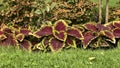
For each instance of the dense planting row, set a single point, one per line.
(60, 35)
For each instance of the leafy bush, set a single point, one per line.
(23, 12)
(115, 12)
(78, 11)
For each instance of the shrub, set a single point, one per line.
(23, 12)
(78, 11)
(115, 12)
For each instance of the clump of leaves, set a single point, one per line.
(74, 10)
(97, 35)
(58, 36)
(115, 13)
(23, 12)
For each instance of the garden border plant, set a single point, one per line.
(61, 36)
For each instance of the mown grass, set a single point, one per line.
(112, 3)
(72, 58)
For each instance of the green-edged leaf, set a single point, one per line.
(25, 44)
(45, 42)
(110, 25)
(2, 36)
(91, 27)
(116, 24)
(116, 33)
(7, 30)
(20, 37)
(110, 35)
(80, 27)
(55, 44)
(60, 35)
(44, 31)
(101, 27)
(16, 32)
(71, 42)
(75, 33)
(25, 31)
(88, 37)
(10, 40)
(104, 43)
(60, 25)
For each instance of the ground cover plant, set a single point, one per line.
(60, 35)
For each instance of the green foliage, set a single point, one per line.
(23, 12)
(115, 12)
(78, 11)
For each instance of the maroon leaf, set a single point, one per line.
(45, 41)
(44, 31)
(25, 44)
(88, 37)
(10, 40)
(116, 33)
(20, 37)
(117, 24)
(71, 42)
(110, 26)
(55, 44)
(60, 35)
(60, 25)
(2, 36)
(101, 27)
(25, 31)
(1, 32)
(110, 35)
(7, 30)
(75, 33)
(90, 26)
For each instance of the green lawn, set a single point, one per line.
(72, 58)
(112, 3)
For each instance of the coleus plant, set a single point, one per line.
(14, 35)
(115, 28)
(97, 35)
(58, 36)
